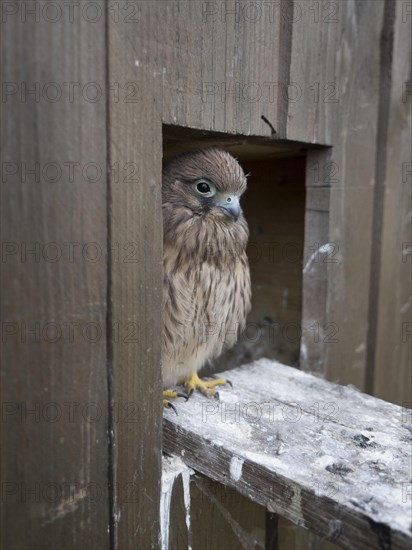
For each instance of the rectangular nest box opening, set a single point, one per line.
(274, 206)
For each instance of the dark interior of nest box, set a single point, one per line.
(274, 206)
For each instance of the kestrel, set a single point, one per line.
(206, 290)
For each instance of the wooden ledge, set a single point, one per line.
(325, 456)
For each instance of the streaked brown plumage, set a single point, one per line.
(206, 294)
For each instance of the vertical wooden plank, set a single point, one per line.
(222, 518)
(292, 536)
(392, 364)
(339, 106)
(134, 69)
(54, 279)
(386, 55)
(354, 136)
(319, 253)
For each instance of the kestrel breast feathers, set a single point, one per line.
(206, 290)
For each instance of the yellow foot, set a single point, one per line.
(171, 394)
(205, 387)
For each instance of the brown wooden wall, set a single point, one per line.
(319, 73)
(233, 63)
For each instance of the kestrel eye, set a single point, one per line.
(203, 188)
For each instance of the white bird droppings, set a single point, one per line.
(236, 465)
(172, 468)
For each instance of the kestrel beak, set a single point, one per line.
(230, 205)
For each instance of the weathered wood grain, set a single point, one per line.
(394, 308)
(385, 58)
(135, 278)
(223, 518)
(53, 282)
(325, 456)
(353, 60)
(209, 79)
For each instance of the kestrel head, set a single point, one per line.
(207, 182)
